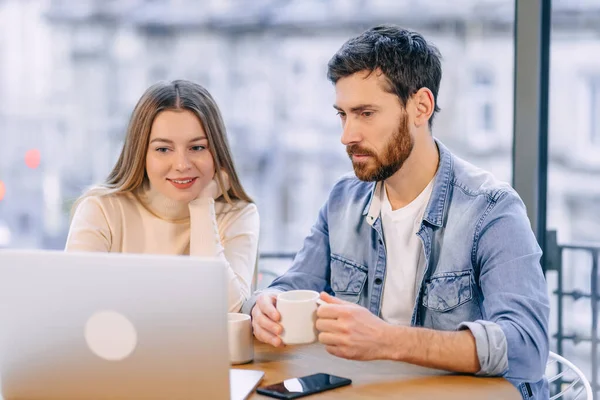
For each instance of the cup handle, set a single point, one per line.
(320, 302)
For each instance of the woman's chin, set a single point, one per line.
(184, 197)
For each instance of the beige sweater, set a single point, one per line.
(149, 223)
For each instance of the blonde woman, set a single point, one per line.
(173, 190)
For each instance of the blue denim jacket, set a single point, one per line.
(482, 268)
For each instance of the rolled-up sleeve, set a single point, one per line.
(512, 340)
(491, 347)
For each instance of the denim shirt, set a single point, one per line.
(482, 266)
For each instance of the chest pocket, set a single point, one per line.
(347, 278)
(448, 290)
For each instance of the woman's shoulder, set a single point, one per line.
(101, 198)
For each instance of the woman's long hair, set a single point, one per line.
(129, 173)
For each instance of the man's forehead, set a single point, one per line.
(364, 77)
(361, 88)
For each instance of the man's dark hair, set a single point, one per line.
(408, 62)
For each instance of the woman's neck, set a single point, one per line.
(162, 206)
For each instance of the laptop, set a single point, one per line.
(118, 326)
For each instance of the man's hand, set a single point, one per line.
(265, 318)
(350, 331)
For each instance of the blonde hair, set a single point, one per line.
(129, 173)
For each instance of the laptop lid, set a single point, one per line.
(107, 325)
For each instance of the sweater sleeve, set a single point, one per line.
(89, 229)
(235, 243)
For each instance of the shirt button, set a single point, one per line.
(378, 281)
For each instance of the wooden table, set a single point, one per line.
(372, 379)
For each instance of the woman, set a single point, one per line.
(174, 190)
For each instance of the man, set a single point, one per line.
(422, 257)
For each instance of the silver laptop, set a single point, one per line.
(118, 326)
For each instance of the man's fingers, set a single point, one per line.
(340, 351)
(333, 350)
(327, 298)
(266, 304)
(331, 311)
(330, 339)
(329, 325)
(268, 325)
(267, 337)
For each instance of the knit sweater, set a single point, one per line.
(148, 222)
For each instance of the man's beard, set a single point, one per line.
(380, 168)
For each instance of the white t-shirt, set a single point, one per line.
(405, 256)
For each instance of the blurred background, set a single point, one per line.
(71, 72)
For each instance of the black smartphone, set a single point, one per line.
(300, 387)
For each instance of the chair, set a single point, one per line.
(569, 379)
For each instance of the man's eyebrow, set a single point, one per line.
(358, 108)
(362, 107)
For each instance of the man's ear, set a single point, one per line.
(424, 106)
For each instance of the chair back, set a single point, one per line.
(566, 381)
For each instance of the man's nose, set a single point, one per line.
(350, 133)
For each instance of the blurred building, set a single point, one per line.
(25, 120)
(265, 63)
(71, 73)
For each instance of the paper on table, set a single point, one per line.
(243, 382)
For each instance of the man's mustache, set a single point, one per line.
(356, 149)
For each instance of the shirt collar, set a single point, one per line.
(438, 204)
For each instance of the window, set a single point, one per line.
(486, 122)
(594, 131)
(484, 99)
(483, 83)
(574, 167)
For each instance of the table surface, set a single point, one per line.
(372, 379)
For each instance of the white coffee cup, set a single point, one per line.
(298, 310)
(241, 342)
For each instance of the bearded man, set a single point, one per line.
(420, 256)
